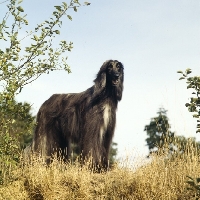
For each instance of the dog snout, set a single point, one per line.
(116, 75)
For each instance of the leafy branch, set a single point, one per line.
(21, 65)
(193, 82)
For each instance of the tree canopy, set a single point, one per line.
(193, 82)
(21, 65)
(162, 140)
(159, 132)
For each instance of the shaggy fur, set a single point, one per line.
(87, 118)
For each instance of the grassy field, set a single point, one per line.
(159, 179)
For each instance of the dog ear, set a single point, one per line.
(119, 90)
(120, 86)
(100, 81)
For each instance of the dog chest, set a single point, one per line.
(106, 119)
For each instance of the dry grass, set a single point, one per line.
(158, 179)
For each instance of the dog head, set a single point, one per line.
(110, 77)
(114, 72)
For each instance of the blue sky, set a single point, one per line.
(152, 38)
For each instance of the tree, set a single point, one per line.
(23, 123)
(158, 131)
(161, 140)
(21, 65)
(20, 132)
(193, 82)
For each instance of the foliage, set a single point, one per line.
(161, 139)
(158, 131)
(22, 123)
(112, 154)
(21, 65)
(193, 106)
(14, 136)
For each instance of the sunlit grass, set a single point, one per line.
(159, 179)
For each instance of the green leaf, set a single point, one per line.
(20, 9)
(55, 13)
(26, 22)
(40, 52)
(188, 69)
(35, 37)
(20, 1)
(65, 5)
(179, 72)
(69, 17)
(75, 9)
(181, 78)
(58, 8)
(15, 59)
(194, 100)
(188, 72)
(57, 32)
(196, 116)
(87, 3)
(12, 38)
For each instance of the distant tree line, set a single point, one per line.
(160, 138)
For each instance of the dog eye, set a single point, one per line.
(110, 66)
(118, 67)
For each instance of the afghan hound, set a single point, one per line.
(87, 118)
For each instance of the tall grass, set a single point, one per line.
(158, 179)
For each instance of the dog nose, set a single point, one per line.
(116, 75)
